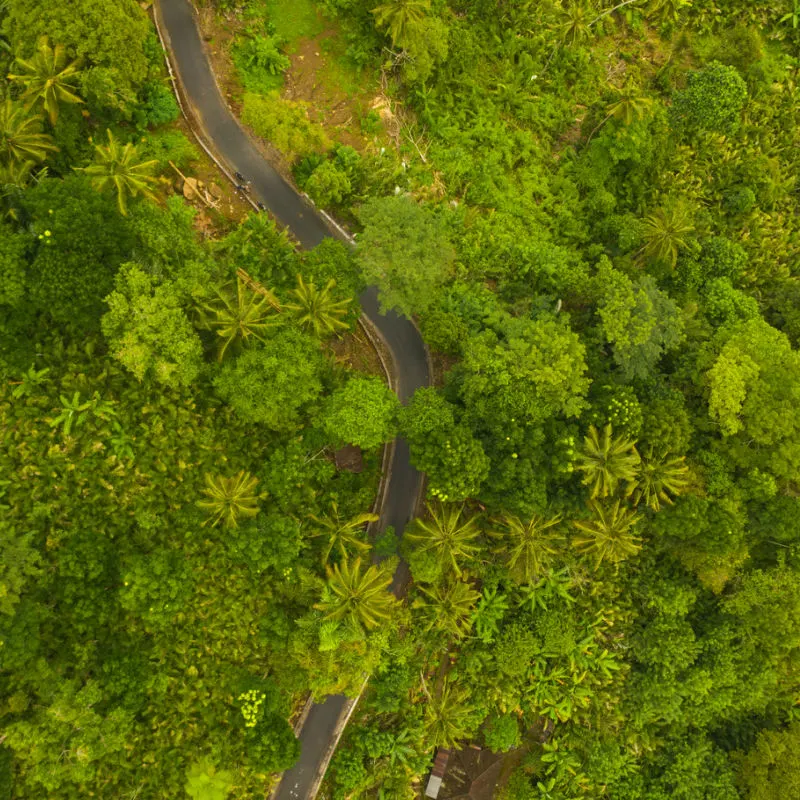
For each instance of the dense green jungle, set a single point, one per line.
(590, 210)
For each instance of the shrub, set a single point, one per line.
(501, 733)
(739, 200)
(158, 105)
(260, 63)
(284, 123)
(722, 258)
(713, 99)
(328, 185)
(166, 146)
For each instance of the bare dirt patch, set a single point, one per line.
(314, 78)
(354, 350)
(219, 206)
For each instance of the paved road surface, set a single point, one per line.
(291, 210)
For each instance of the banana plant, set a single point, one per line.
(230, 499)
(31, 381)
(73, 413)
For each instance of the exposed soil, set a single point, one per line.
(330, 105)
(354, 350)
(313, 77)
(225, 207)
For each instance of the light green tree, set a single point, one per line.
(316, 310)
(238, 313)
(342, 535)
(22, 143)
(445, 534)
(640, 320)
(148, 330)
(448, 715)
(205, 782)
(530, 546)
(402, 18)
(47, 78)
(230, 499)
(447, 608)
(357, 596)
(610, 534)
(117, 166)
(362, 413)
(749, 372)
(658, 479)
(607, 461)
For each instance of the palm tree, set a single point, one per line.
(665, 11)
(575, 23)
(446, 535)
(665, 233)
(629, 106)
(359, 597)
(610, 535)
(72, 413)
(315, 310)
(117, 166)
(606, 461)
(343, 534)
(21, 137)
(15, 174)
(658, 478)
(448, 608)
(230, 498)
(239, 314)
(447, 715)
(48, 78)
(530, 546)
(403, 18)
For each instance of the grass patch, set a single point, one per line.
(293, 19)
(285, 124)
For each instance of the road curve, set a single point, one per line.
(189, 60)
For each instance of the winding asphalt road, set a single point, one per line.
(234, 148)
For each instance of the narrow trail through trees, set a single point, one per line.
(234, 148)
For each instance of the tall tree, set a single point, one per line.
(117, 167)
(357, 596)
(607, 461)
(277, 383)
(22, 143)
(446, 535)
(530, 546)
(405, 250)
(342, 535)
(534, 371)
(610, 534)
(316, 310)
(230, 499)
(361, 413)
(47, 78)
